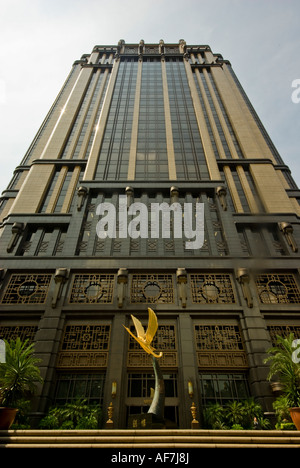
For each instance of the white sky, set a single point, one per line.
(40, 40)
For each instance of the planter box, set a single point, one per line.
(295, 415)
(7, 417)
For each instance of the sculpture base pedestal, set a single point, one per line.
(109, 424)
(195, 424)
(145, 421)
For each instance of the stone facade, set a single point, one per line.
(154, 123)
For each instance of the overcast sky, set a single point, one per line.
(40, 40)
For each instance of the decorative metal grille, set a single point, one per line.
(169, 246)
(27, 289)
(86, 338)
(164, 340)
(84, 346)
(151, 50)
(220, 346)
(152, 245)
(131, 50)
(284, 331)
(215, 289)
(172, 50)
(24, 332)
(152, 289)
(134, 246)
(99, 246)
(218, 338)
(92, 288)
(277, 288)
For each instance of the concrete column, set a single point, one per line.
(256, 341)
(245, 128)
(270, 189)
(71, 190)
(33, 189)
(249, 195)
(264, 150)
(56, 191)
(116, 371)
(47, 343)
(233, 190)
(187, 370)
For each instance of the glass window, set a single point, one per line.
(71, 387)
(139, 385)
(221, 388)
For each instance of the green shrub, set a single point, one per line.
(235, 414)
(286, 426)
(77, 415)
(236, 427)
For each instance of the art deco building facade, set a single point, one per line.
(155, 123)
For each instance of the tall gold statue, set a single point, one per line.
(145, 338)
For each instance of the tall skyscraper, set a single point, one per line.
(151, 183)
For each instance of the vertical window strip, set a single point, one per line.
(89, 114)
(62, 193)
(189, 152)
(240, 190)
(206, 117)
(214, 114)
(89, 146)
(49, 193)
(168, 124)
(114, 153)
(151, 161)
(56, 195)
(254, 191)
(67, 148)
(135, 123)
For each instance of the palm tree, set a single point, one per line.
(214, 415)
(251, 410)
(76, 410)
(283, 365)
(235, 412)
(19, 374)
(281, 407)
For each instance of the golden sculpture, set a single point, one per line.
(145, 338)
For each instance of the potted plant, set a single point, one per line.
(287, 369)
(18, 377)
